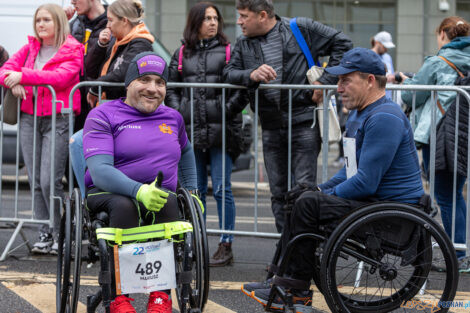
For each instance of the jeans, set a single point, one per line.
(41, 177)
(443, 192)
(305, 148)
(77, 158)
(213, 156)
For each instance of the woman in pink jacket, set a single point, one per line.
(55, 58)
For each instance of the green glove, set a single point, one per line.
(195, 196)
(151, 196)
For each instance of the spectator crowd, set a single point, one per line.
(90, 41)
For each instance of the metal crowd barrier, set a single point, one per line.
(327, 93)
(12, 214)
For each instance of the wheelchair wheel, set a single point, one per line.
(68, 268)
(192, 257)
(397, 245)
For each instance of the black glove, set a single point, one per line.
(299, 189)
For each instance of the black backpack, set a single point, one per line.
(445, 133)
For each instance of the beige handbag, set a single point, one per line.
(10, 108)
(334, 130)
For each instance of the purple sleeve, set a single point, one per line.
(97, 134)
(183, 137)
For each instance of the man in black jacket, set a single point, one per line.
(86, 27)
(269, 53)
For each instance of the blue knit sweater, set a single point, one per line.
(387, 161)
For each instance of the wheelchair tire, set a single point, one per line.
(388, 279)
(205, 254)
(194, 259)
(70, 237)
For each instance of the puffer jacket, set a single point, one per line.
(116, 73)
(436, 71)
(445, 138)
(205, 65)
(248, 56)
(62, 72)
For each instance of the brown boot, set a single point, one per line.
(223, 256)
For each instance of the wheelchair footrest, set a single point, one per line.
(291, 283)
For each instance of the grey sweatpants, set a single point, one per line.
(42, 175)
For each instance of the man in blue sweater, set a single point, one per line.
(381, 163)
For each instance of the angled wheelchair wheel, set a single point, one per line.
(192, 258)
(68, 267)
(380, 257)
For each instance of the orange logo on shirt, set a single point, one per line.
(165, 129)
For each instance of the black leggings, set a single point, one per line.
(125, 212)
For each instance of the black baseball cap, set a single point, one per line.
(359, 60)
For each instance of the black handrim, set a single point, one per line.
(78, 223)
(205, 255)
(64, 260)
(191, 295)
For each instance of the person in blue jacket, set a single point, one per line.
(381, 164)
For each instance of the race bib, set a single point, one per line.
(349, 147)
(144, 267)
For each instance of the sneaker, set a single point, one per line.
(223, 256)
(54, 248)
(300, 299)
(464, 265)
(122, 304)
(250, 287)
(159, 302)
(43, 246)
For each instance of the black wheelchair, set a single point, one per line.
(379, 258)
(190, 251)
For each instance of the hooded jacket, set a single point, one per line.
(115, 58)
(205, 65)
(436, 71)
(62, 72)
(248, 56)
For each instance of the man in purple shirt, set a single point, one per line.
(126, 143)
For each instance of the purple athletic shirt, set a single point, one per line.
(142, 144)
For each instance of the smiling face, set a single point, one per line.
(45, 27)
(146, 93)
(209, 25)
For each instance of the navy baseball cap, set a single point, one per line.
(146, 63)
(360, 60)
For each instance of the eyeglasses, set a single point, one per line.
(211, 18)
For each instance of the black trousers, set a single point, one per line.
(311, 210)
(125, 212)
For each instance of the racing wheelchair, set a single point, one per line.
(187, 235)
(378, 258)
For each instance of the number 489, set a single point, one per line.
(148, 268)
